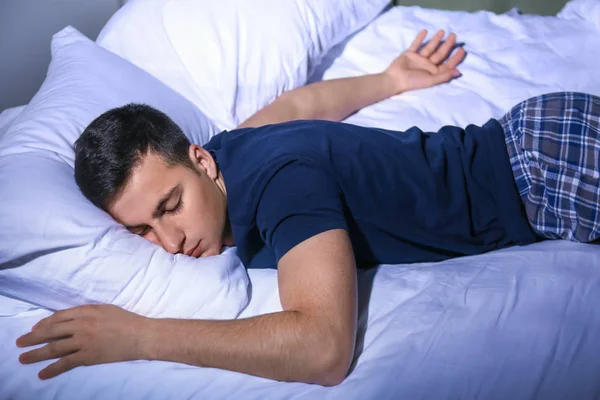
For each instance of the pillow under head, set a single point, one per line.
(56, 249)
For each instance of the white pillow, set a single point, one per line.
(7, 117)
(56, 249)
(587, 10)
(136, 33)
(233, 57)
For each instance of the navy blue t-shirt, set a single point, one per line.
(402, 196)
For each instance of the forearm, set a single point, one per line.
(338, 98)
(332, 100)
(282, 346)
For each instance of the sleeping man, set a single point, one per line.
(291, 188)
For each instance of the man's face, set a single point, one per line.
(179, 208)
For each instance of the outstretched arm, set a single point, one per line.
(312, 340)
(336, 99)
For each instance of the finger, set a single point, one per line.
(69, 314)
(59, 316)
(456, 59)
(444, 50)
(432, 45)
(429, 66)
(418, 40)
(444, 76)
(419, 62)
(63, 365)
(46, 333)
(56, 349)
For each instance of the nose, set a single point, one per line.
(170, 237)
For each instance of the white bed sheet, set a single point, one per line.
(519, 323)
(510, 58)
(7, 116)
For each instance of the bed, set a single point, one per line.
(518, 323)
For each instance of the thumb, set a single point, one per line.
(444, 76)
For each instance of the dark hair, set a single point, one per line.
(113, 145)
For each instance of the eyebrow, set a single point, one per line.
(159, 207)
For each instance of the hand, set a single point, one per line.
(419, 69)
(86, 335)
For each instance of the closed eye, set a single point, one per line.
(141, 231)
(177, 208)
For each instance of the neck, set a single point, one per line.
(228, 239)
(221, 184)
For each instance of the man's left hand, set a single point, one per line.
(421, 67)
(86, 335)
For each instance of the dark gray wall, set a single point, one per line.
(543, 7)
(26, 28)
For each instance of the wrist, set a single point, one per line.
(148, 337)
(393, 82)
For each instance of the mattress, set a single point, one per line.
(518, 323)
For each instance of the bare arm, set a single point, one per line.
(332, 100)
(312, 340)
(336, 99)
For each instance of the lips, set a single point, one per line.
(194, 252)
(197, 251)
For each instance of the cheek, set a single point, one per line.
(212, 212)
(151, 237)
(205, 212)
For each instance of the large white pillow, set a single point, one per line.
(587, 10)
(7, 117)
(136, 33)
(56, 249)
(233, 57)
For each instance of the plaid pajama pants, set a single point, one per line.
(553, 142)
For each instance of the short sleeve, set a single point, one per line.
(298, 202)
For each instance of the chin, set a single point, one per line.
(211, 252)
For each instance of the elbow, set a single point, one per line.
(332, 377)
(332, 364)
(324, 351)
(299, 105)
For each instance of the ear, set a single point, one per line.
(203, 161)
